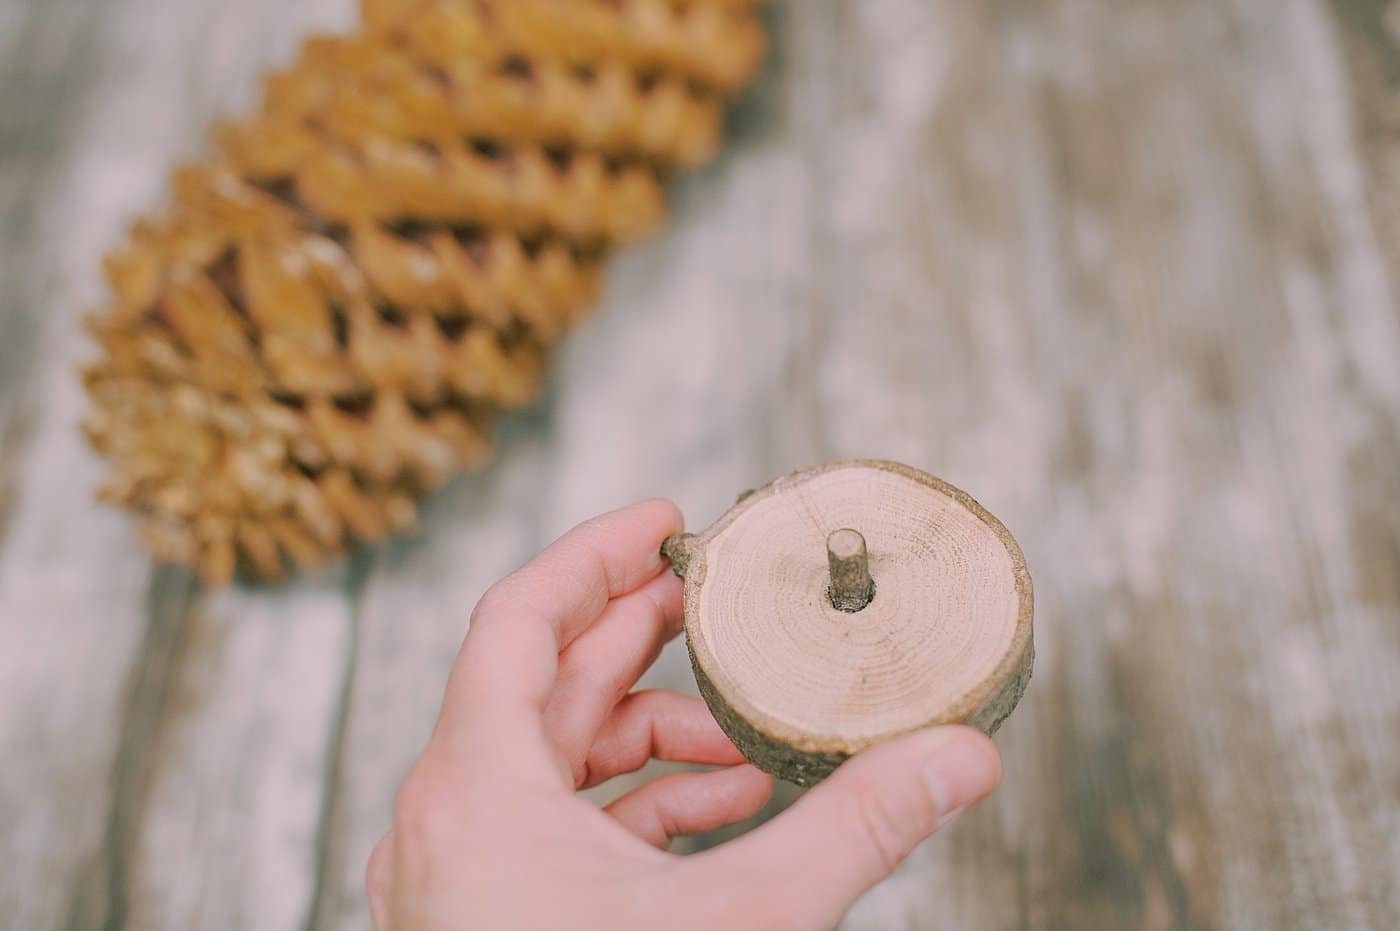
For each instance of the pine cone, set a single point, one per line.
(343, 296)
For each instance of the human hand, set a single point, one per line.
(489, 833)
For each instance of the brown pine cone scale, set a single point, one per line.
(325, 323)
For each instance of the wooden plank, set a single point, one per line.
(39, 90)
(682, 423)
(226, 822)
(120, 689)
(228, 829)
(73, 591)
(601, 442)
(1114, 281)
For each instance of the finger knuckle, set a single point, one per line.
(494, 601)
(642, 702)
(881, 827)
(422, 805)
(377, 870)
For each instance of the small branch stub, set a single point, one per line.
(676, 551)
(851, 585)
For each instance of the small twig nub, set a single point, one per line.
(676, 550)
(852, 588)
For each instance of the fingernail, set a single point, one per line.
(962, 770)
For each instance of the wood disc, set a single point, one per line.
(850, 603)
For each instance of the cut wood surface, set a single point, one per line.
(1125, 272)
(934, 626)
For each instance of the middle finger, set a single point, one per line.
(602, 665)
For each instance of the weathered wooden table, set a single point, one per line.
(1126, 271)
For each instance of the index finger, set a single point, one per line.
(511, 653)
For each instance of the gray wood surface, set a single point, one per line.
(1125, 271)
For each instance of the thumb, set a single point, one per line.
(815, 859)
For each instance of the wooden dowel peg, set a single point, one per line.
(851, 585)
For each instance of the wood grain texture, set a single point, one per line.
(800, 684)
(1125, 272)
